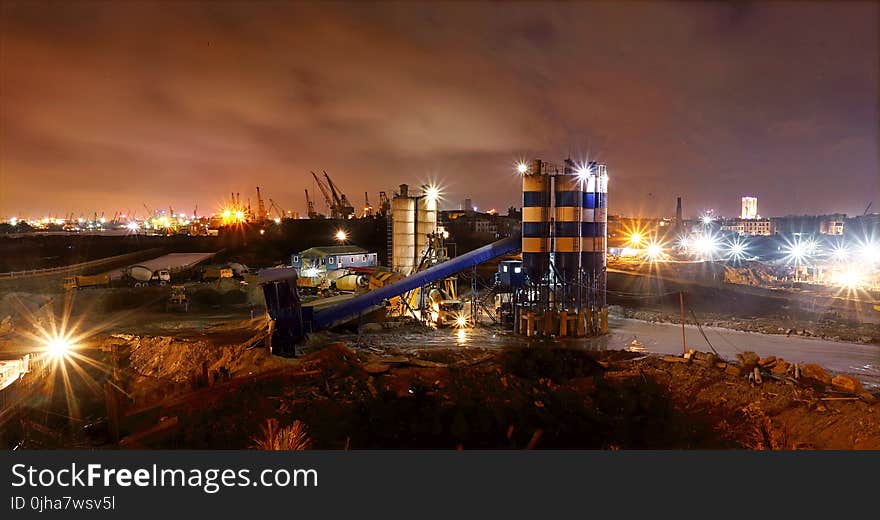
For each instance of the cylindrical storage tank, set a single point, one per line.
(403, 234)
(426, 223)
(568, 192)
(594, 232)
(536, 223)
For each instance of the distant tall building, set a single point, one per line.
(678, 220)
(749, 208)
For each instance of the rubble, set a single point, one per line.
(815, 374)
(848, 384)
(780, 367)
(458, 398)
(748, 360)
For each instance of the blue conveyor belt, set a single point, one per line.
(368, 301)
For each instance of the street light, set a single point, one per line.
(654, 251)
(433, 194)
(522, 168)
(57, 347)
(736, 250)
(341, 235)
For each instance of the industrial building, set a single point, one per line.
(321, 259)
(833, 224)
(749, 226)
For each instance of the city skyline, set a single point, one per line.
(106, 107)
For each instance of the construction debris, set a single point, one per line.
(816, 375)
(848, 384)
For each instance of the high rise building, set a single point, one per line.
(749, 208)
(679, 222)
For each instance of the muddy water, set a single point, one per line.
(627, 334)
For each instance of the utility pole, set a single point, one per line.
(683, 338)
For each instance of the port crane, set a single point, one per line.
(328, 200)
(310, 207)
(342, 207)
(278, 210)
(262, 214)
(368, 209)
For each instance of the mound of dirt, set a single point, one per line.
(558, 365)
(181, 360)
(527, 398)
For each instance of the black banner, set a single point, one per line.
(223, 484)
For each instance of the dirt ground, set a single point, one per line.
(539, 397)
(206, 381)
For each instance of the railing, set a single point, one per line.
(15, 275)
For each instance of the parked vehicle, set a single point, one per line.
(142, 276)
(214, 273)
(81, 281)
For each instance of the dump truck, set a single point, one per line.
(81, 281)
(214, 273)
(142, 276)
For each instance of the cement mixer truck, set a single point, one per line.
(142, 276)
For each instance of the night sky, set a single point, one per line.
(110, 105)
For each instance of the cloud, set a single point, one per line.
(116, 104)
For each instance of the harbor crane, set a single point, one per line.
(326, 192)
(262, 214)
(343, 208)
(310, 205)
(368, 209)
(278, 210)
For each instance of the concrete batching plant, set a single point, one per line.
(414, 218)
(564, 234)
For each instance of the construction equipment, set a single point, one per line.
(81, 282)
(262, 214)
(310, 204)
(328, 200)
(342, 208)
(178, 300)
(364, 303)
(214, 273)
(142, 276)
(352, 282)
(368, 209)
(278, 210)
